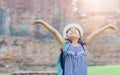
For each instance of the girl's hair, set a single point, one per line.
(80, 41)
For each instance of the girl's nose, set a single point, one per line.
(73, 30)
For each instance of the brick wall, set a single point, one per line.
(28, 53)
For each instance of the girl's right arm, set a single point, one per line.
(51, 29)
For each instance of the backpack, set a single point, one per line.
(61, 60)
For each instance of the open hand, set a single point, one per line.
(113, 27)
(37, 22)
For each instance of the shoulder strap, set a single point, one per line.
(66, 46)
(83, 45)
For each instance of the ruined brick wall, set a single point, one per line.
(38, 49)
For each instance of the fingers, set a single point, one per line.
(34, 22)
(113, 27)
(37, 22)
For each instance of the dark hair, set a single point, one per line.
(80, 41)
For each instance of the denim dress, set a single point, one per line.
(75, 61)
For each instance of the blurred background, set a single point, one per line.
(27, 47)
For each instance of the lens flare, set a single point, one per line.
(88, 6)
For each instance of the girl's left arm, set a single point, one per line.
(93, 35)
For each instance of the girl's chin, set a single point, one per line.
(73, 36)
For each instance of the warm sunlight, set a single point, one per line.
(95, 5)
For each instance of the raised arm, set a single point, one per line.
(51, 29)
(93, 35)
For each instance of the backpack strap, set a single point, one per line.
(83, 45)
(66, 46)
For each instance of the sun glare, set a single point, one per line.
(95, 5)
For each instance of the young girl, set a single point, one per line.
(74, 52)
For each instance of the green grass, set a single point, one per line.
(98, 70)
(4, 74)
(104, 70)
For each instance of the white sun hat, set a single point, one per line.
(67, 27)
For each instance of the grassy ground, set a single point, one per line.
(4, 74)
(104, 70)
(99, 70)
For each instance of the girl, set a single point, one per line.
(74, 52)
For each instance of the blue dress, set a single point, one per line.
(75, 61)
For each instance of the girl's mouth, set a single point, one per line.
(73, 33)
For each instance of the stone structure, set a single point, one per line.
(27, 53)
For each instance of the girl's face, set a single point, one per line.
(73, 33)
